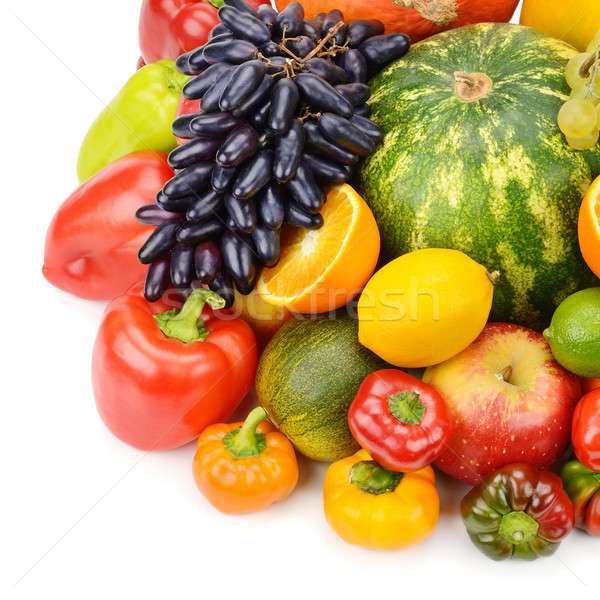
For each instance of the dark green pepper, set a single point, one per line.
(583, 486)
(518, 512)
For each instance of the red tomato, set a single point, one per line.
(585, 431)
(93, 239)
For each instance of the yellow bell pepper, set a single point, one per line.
(370, 506)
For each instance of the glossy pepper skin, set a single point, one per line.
(93, 239)
(161, 376)
(585, 431)
(169, 28)
(583, 487)
(245, 467)
(401, 421)
(369, 506)
(139, 117)
(518, 512)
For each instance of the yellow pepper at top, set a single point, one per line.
(373, 507)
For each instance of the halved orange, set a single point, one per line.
(589, 227)
(323, 269)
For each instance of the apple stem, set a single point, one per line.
(506, 373)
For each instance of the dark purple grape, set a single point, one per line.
(186, 63)
(260, 116)
(213, 125)
(182, 265)
(157, 279)
(242, 213)
(245, 25)
(318, 21)
(153, 214)
(258, 97)
(331, 19)
(271, 207)
(238, 257)
(267, 15)
(222, 177)
(327, 70)
(173, 205)
(218, 29)
(363, 110)
(240, 5)
(230, 51)
(321, 95)
(266, 244)
(355, 66)
(207, 261)
(326, 171)
(291, 19)
(212, 97)
(181, 126)
(320, 144)
(343, 133)
(223, 286)
(163, 238)
(355, 93)
(310, 29)
(244, 81)
(194, 151)
(278, 62)
(301, 46)
(284, 102)
(359, 31)
(241, 144)
(193, 233)
(304, 189)
(197, 87)
(295, 215)
(189, 180)
(368, 127)
(205, 206)
(382, 49)
(270, 49)
(254, 175)
(288, 152)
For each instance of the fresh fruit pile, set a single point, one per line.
(265, 268)
(283, 117)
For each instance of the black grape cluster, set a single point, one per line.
(283, 117)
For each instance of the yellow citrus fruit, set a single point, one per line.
(424, 307)
(589, 227)
(323, 269)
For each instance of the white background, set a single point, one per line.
(85, 516)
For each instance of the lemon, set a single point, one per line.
(574, 333)
(424, 307)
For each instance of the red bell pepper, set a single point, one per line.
(585, 431)
(161, 376)
(169, 28)
(93, 239)
(402, 422)
(583, 487)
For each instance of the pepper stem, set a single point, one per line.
(245, 441)
(186, 325)
(372, 478)
(518, 527)
(407, 407)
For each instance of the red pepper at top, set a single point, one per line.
(401, 421)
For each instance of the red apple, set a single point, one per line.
(510, 402)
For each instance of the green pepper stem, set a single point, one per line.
(518, 527)
(372, 478)
(186, 325)
(407, 407)
(245, 441)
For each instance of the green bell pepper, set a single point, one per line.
(518, 512)
(138, 118)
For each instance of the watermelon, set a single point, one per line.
(307, 378)
(473, 160)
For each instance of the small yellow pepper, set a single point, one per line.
(373, 507)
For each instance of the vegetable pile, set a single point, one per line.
(275, 156)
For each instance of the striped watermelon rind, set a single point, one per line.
(493, 177)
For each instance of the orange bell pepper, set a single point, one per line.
(245, 467)
(370, 506)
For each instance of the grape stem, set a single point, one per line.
(584, 70)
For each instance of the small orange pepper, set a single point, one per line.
(245, 467)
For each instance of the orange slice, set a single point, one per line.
(321, 270)
(589, 227)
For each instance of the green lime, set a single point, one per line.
(574, 333)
